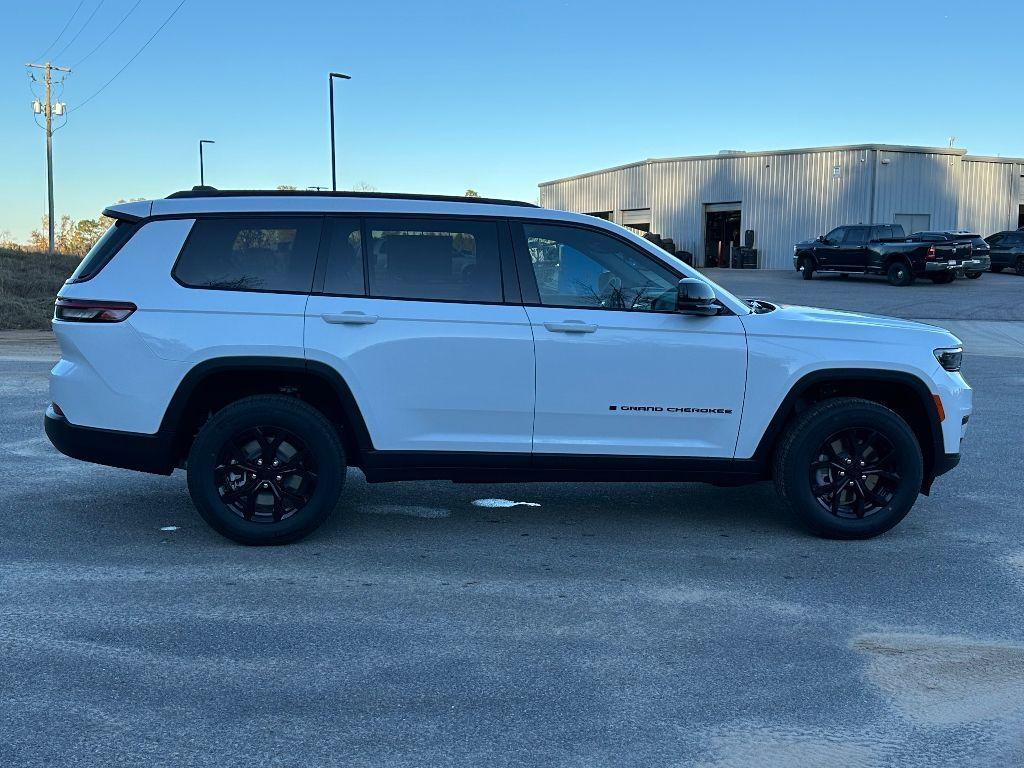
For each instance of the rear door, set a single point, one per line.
(411, 311)
(618, 371)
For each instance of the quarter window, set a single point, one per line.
(250, 254)
(583, 268)
(440, 259)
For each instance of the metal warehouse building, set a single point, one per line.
(710, 205)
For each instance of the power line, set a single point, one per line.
(80, 29)
(109, 34)
(62, 31)
(122, 69)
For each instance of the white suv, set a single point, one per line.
(266, 341)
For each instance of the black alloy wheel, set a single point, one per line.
(807, 267)
(266, 469)
(900, 274)
(265, 474)
(855, 474)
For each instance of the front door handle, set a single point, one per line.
(350, 318)
(570, 326)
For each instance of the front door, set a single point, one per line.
(411, 315)
(853, 252)
(618, 371)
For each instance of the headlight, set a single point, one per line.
(950, 357)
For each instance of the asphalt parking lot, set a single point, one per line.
(600, 625)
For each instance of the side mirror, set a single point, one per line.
(695, 297)
(821, 239)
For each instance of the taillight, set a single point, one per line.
(931, 251)
(89, 311)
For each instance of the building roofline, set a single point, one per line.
(799, 151)
(994, 159)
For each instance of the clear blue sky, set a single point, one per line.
(496, 96)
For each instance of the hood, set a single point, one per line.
(831, 324)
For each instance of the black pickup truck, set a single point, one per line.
(884, 249)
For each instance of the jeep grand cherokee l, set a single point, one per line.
(265, 342)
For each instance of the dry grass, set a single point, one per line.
(29, 282)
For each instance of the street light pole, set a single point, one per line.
(334, 162)
(202, 175)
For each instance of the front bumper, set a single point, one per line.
(127, 450)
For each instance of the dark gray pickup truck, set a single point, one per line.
(884, 249)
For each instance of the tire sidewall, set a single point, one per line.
(899, 273)
(804, 450)
(305, 423)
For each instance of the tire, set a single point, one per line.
(944, 279)
(870, 431)
(807, 267)
(973, 275)
(997, 270)
(1019, 266)
(236, 450)
(900, 274)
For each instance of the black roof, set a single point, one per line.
(212, 192)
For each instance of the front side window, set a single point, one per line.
(439, 259)
(583, 268)
(250, 254)
(835, 237)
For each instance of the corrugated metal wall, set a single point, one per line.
(918, 182)
(787, 197)
(987, 199)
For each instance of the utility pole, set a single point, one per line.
(49, 109)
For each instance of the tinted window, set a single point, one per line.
(856, 236)
(835, 237)
(344, 258)
(250, 254)
(1014, 238)
(443, 259)
(583, 268)
(996, 239)
(103, 250)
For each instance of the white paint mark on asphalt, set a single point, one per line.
(429, 513)
(946, 681)
(1015, 564)
(503, 503)
(169, 528)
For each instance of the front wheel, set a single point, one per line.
(849, 468)
(807, 267)
(266, 470)
(899, 273)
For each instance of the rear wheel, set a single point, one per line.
(849, 468)
(266, 470)
(1019, 267)
(899, 273)
(807, 267)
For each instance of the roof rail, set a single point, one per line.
(213, 192)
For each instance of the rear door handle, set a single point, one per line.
(350, 318)
(570, 326)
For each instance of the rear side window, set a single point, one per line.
(440, 259)
(250, 254)
(104, 250)
(344, 274)
(856, 236)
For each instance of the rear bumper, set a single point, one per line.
(127, 450)
(978, 264)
